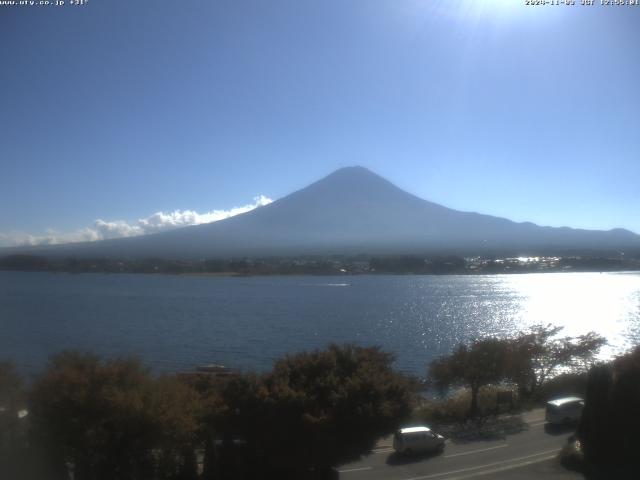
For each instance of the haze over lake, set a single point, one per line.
(178, 322)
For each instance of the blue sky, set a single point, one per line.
(120, 109)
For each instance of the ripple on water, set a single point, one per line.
(173, 322)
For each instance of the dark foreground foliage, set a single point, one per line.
(12, 436)
(113, 419)
(330, 407)
(608, 429)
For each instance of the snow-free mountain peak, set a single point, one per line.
(354, 210)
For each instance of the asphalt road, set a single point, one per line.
(530, 452)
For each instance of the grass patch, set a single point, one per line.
(450, 416)
(455, 407)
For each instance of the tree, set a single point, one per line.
(539, 354)
(230, 409)
(474, 366)
(318, 409)
(12, 444)
(611, 418)
(112, 419)
(241, 426)
(175, 411)
(10, 388)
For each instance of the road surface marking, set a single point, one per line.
(537, 424)
(534, 419)
(354, 469)
(463, 470)
(475, 451)
(504, 469)
(383, 450)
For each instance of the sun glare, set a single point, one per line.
(492, 7)
(482, 10)
(581, 303)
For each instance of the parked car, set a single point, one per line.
(564, 410)
(417, 440)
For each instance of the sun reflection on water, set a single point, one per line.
(608, 304)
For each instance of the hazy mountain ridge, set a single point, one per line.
(352, 211)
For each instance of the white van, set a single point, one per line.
(564, 410)
(417, 439)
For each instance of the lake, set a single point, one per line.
(178, 322)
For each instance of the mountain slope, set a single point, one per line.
(355, 211)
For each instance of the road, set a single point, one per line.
(529, 453)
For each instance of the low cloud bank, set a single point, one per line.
(102, 229)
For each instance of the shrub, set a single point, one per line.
(455, 407)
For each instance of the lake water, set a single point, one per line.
(178, 322)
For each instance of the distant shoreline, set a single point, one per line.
(319, 275)
(328, 265)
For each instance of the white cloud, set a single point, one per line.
(51, 237)
(102, 229)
